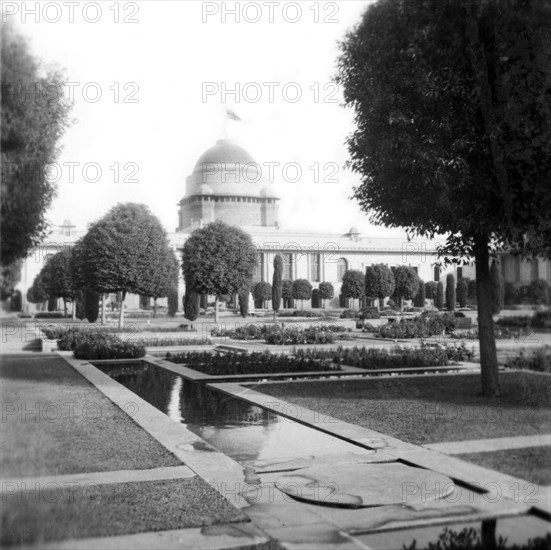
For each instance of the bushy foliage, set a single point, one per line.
(406, 282)
(191, 305)
(49, 315)
(326, 291)
(450, 292)
(430, 290)
(173, 301)
(302, 313)
(538, 360)
(262, 291)
(369, 313)
(350, 314)
(98, 345)
(425, 325)
(91, 305)
(353, 284)
(243, 299)
(419, 300)
(439, 300)
(302, 290)
(462, 289)
(378, 281)
(538, 292)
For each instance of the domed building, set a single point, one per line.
(227, 185)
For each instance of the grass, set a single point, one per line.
(429, 409)
(55, 422)
(531, 464)
(106, 510)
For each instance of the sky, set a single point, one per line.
(150, 82)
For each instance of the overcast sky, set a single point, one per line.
(162, 71)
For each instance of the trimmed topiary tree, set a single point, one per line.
(461, 290)
(419, 300)
(406, 283)
(302, 290)
(262, 291)
(326, 292)
(353, 285)
(243, 299)
(439, 299)
(191, 305)
(173, 300)
(91, 305)
(287, 293)
(450, 292)
(379, 282)
(430, 290)
(276, 284)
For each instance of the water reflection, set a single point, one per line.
(241, 430)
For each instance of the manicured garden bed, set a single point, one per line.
(428, 409)
(531, 464)
(56, 422)
(107, 510)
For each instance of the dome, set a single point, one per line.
(224, 151)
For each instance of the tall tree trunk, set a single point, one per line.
(103, 309)
(154, 308)
(216, 309)
(121, 312)
(488, 355)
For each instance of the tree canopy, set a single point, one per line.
(302, 290)
(378, 281)
(219, 259)
(353, 284)
(453, 127)
(406, 283)
(34, 116)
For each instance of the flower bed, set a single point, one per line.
(539, 360)
(106, 346)
(253, 363)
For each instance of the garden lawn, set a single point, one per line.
(531, 464)
(108, 510)
(429, 409)
(55, 422)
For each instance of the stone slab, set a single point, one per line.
(487, 445)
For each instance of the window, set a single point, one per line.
(315, 268)
(287, 266)
(342, 266)
(436, 273)
(259, 270)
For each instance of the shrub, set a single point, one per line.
(191, 305)
(302, 290)
(172, 301)
(471, 289)
(326, 291)
(461, 290)
(91, 305)
(515, 321)
(406, 283)
(538, 292)
(353, 285)
(262, 291)
(542, 319)
(369, 313)
(287, 293)
(243, 299)
(430, 290)
(425, 325)
(419, 300)
(98, 345)
(49, 315)
(439, 301)
(450, 292)
(379, 281)
(539, 360)
(350, 314)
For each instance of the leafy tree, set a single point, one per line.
(453, 128)
(262, 292)
(10, 275)
(450, 292)
(462, 290)
(91, 305)
(32, 124)
(471, 289)
(538, 292)
(430, 290)
(191, 305)
(302, 290)
(419, 300)
(406, 284)
(37, 293)
(243, 298)
(219, 259)
(439, 300)
(277, 284)
(287, 292)
(326, 291)
(353, 284)
(173, 298)
(379, 282)
(57, 276)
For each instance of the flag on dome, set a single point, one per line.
(231, 115)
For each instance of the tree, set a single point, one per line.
(406, 284)
(353, 285)
(453, 126)
(37, 293)
(439, 300)
(326, 292)
(276, 284)
(119, 253)
(430, 290)
(32, 125)
(173, 298)
(219, 259)
(91, 305)
(287, 292)
(471, 289)
(191, 305)
(262, 292)
(302, 290)
(243, 298)
(379, 282)
(450, 292)
(462, 290)
(57, 276)
(498, 288)
(10, 275)
(419, 300)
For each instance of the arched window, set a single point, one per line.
(342, 266)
